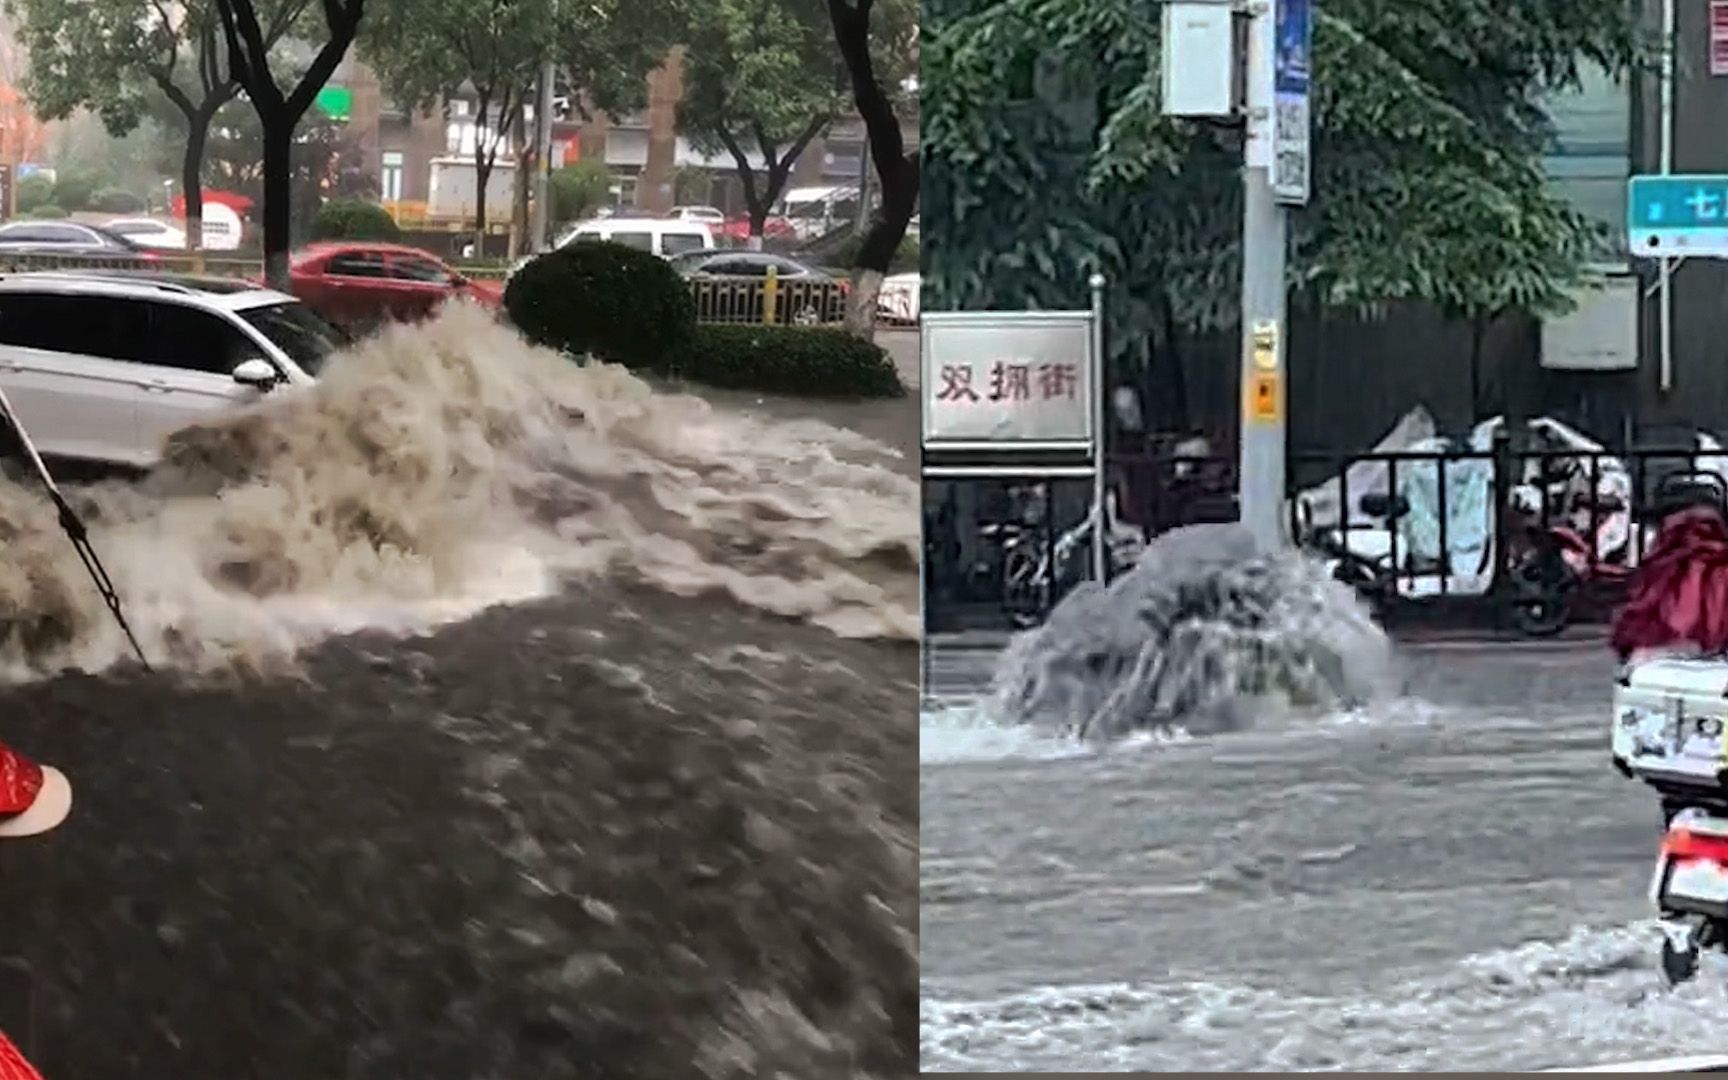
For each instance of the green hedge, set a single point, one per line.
(354, 219)
(605, 300)
(812, 361)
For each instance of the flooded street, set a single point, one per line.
(1452, 879)
(509, 720)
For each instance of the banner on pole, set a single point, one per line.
(1292, 124)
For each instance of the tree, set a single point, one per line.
(883, 68)
(106, 55)
(763, 73)
(324, 162)
(1050, 158)
(429, 51)
(578, 189)
(249, 46)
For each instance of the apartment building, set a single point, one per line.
(423, 161)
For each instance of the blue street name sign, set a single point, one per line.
(1677, 216)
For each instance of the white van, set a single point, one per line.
(814, 211)
(662, 236)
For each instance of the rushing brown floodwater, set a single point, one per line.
(650, 818)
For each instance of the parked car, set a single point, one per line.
(663, 236)
(102, 366)
(710, 216)
(149, 233)
(363, 283)
(745, 264)
(737, 230)
(67, 238)
(805, 295)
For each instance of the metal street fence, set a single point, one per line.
(732, 300)
(1539, 537)
(768, 300)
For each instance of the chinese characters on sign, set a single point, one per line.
(1007, 379)
(1011, 381)
(1677, 215)
(1719, 37)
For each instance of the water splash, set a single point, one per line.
(442, 468)
(1204, 629)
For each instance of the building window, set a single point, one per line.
(458, 107)
(1590, 157)
(390, 180)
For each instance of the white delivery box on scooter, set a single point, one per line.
(1669, 714)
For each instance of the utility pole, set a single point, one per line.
(1262, 78)
(539, 241)
(1275, 173)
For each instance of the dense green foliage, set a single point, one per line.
(762, 78)
(112, 200)
(76, 190)
(354, 219)
(605, 300)
(811, 361)
(579, 189)
(33, 191)
(1049, 158)
(46, 210)
(844, 252)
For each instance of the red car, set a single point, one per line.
(738, 228)
(363, 283)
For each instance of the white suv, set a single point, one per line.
(102, 366)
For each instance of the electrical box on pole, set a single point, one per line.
(1200, 58)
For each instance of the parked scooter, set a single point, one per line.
(1556, 571)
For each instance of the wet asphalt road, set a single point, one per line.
(1452, 880)
(609, 835)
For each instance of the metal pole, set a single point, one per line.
(1665, 312)
(543, 158)
(1100, 396)
(1261, 442)
(864, 174)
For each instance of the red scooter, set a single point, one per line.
(1556, 570)
(34, 799)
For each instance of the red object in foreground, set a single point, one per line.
(12, 1063)
(1680, 592)
(20, 783)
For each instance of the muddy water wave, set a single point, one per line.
(1206, 630)
(442, 468)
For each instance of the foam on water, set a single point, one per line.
(442, 468)
(1206, 631)
(1590, 998)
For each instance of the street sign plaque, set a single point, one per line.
(1677, 216)
(1008, 378)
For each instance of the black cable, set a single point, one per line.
(74, 529)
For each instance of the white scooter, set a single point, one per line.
(1670, 714)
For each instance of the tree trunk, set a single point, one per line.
(524, 166)
(482, 178)
(897, 170)
(277, 212)
(1476, 334)
(881, 242)
(191, 180)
